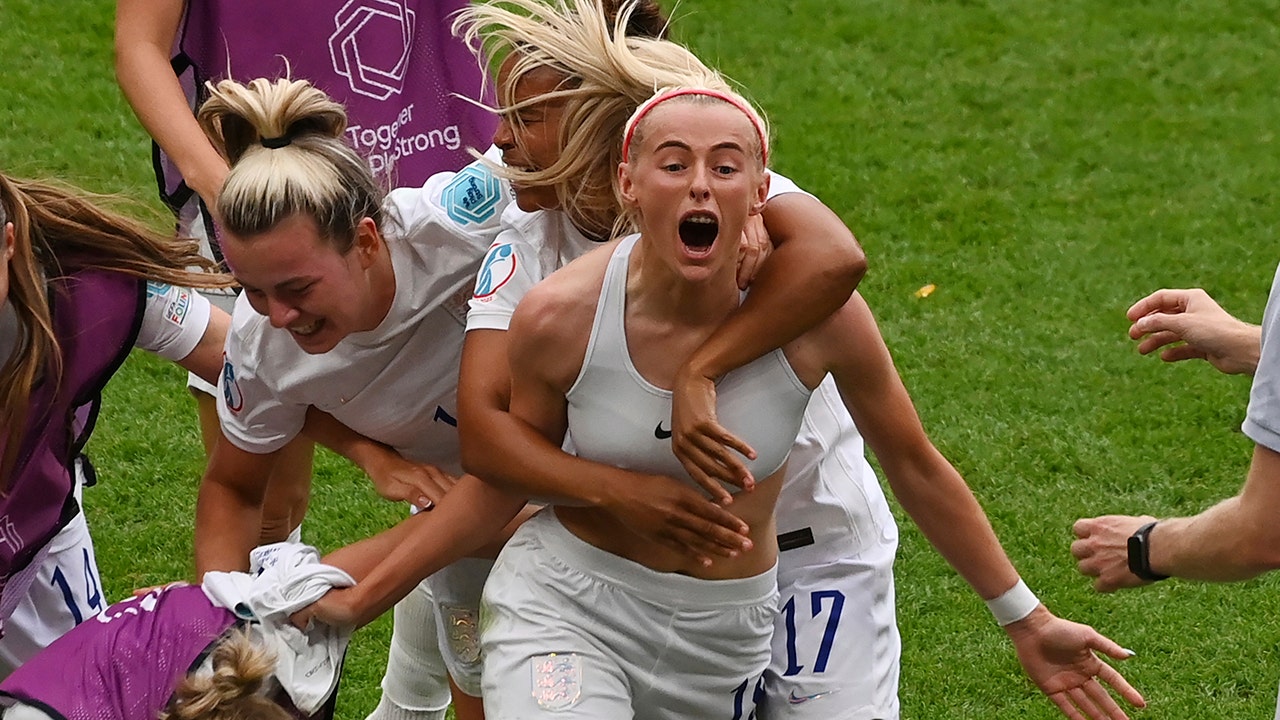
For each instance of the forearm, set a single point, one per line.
(814, 270)
(944, 508)
(517, 458)
(467, 518)
(229, 506)
(1221, 544)
(145, 30)
(227, 525)
(324, 429)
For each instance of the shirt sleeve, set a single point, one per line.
(253, 417)
(1262, 423)
(780, 184)
(510, 269)
(173, 320)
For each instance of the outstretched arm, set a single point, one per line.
(391, 563)
(1058, 655)
(1190, 324)
(813, 271)
(1236, 539)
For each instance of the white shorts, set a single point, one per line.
(65, 592)
(455, 592)
(836, 647)
(571, 631)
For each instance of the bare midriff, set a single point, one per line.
(755, 508)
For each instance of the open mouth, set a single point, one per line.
(698, 232)
(307, 330)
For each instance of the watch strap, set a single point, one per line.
(1140, 554)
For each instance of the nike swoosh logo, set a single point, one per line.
(798, 699)
(661, 434)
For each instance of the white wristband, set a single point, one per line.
(1016, 603)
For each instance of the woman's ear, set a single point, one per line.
(9, 240)
(368, 241)
(626, 188)
(762, 194)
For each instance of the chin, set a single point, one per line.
(535, 199)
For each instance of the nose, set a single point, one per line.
(280, 314)
(700, 185)
(503, 137)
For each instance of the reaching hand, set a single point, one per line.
(399, 479)
(1060, 658)
(754, 248)
(338, 607)
(1193, 325)
(709, 453)
(1102, 550)
(680, 518)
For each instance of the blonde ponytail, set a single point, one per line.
(283, 140)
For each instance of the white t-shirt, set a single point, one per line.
(396, 384)
(1262, 423)
(173, 321)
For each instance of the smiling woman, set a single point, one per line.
(353, 305)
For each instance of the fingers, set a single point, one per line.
(1065, 705)
(1087, 705)
(1155, 338)
(1116, 681)
(1164, 300)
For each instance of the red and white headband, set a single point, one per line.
(665, 95)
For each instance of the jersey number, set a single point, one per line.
(92, 589)
(828, 634)
(740, 699)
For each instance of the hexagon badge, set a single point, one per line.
(371, 46)
(472, 196)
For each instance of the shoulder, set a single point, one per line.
(471, 200)
(559, 311)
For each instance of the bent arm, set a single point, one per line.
(1236, 539)
(229, 507)
(144, 35)
(512, 455)
(816, 267)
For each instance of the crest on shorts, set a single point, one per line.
(557, 680)
(463, 629)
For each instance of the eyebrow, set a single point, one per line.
(299, 280)
(727, 145)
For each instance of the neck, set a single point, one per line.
(657, 288)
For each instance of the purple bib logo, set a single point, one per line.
(371, 46)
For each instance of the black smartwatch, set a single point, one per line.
(1140, 554)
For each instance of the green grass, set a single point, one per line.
(1044, 164)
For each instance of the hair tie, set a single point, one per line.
(276, 142)
(665, 95)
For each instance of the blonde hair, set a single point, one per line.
(58, 230)
(233, 691)
(607, 74)
(283, 140)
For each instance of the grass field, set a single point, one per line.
(1043, 164)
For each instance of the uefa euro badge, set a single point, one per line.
(464, 633)
(557, 680)
(472, 196)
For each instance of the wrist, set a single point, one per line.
(1139, 548)
(1014, 604)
